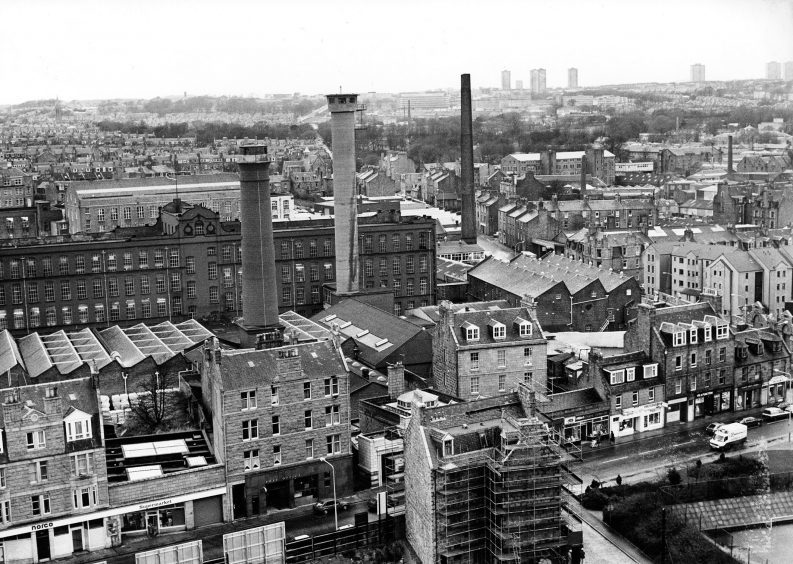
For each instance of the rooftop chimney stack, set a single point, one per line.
(468, 229)
(259, 289)
(345, 205)
(729, 154)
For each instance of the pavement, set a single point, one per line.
(647, 455)
(298, 521)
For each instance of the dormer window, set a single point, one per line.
(616, 376)
(499, 330)
(650, 370)
(721, 332)
(679, 338)
(707, 333)
(692, 336)
(471, 332)
(78, 426)
(523, 326)
(448, 446)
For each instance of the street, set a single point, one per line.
(650, 458)
(492, 247)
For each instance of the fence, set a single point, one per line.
(364, 535)
(721, 488)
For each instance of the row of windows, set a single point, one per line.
(250, 427)
(112, 262)
(528, 378)
(40, 504)
(248, 398)
(634, 398)
(396, 265)
(501, 358)
(69, 315)
(707, 380)
(301, 249)
(252, 461)
(693, 358)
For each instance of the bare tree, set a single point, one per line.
(152, 403)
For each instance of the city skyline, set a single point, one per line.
(95, 50)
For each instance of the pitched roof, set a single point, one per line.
(249, 368)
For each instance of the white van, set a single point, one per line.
(728, 435)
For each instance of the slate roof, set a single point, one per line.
(377, 333)
(249, 368)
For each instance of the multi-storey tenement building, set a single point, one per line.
(52, 467)
(189, 265)
(762, 368)
(483, 483)
(631, 384)
(694, 351)
(481, 350)
(277, 415)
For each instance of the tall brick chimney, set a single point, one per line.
(345, 204)
(729, 154)
(468, 227)
(259, 288)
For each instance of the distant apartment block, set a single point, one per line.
(538, 82)
(572, 77)
(773, 70)
(506, 80)
(698, 73)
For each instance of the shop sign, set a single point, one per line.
(41, 526)
(153, 504)
(704, 394)
(569, 420)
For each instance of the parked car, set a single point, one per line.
(750, 421)
(371, 503)
(774, 413)
(324, 507)
(787, 408)
(711, 429)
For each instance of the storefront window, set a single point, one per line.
(172, 517)
(154, 520)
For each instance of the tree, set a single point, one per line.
(152, 403)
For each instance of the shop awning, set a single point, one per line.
(778, 379)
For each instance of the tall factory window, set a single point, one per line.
(382, 244)
(367, 267)
(423, 241)
(395, 243)
(284, 250)
(174, 258)
(300, 273)
(143, 259)
(298, 249)
(286, 274)
(79, 264)
(422, 286)
(367, 244)
(145, 287)
(396, 267)
(214, 296)
(423, 263)
(286, 295)
(190, 264)
(408, 241)
(326, 248)
(212, 270)
(410, 266)
(63, 266)
(159, 258)
(312, 248)
(314, 273)
(328, 271)
(146, 308)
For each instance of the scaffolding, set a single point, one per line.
(504, 503)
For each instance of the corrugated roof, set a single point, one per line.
(9, 352)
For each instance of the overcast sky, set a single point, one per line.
(82, 49)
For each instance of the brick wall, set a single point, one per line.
(419, 493)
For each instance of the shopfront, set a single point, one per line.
(711, 402)
(776, 390)
(586, 428)
(677, 410)
(747, 397)
(638, 419)
(64, 537)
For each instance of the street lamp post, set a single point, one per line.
(335, 501)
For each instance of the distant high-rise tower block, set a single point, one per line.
(506, 80)
(519, 85)
(698, 73)
(789, 70)
(345, 203)
(538, 81)
(773, 71)
(572, 77)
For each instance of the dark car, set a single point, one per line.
(711, 429)
(750, 421)
(774, 413)
(324, 507)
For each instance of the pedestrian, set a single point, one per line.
(611, 438)
(619, 480)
